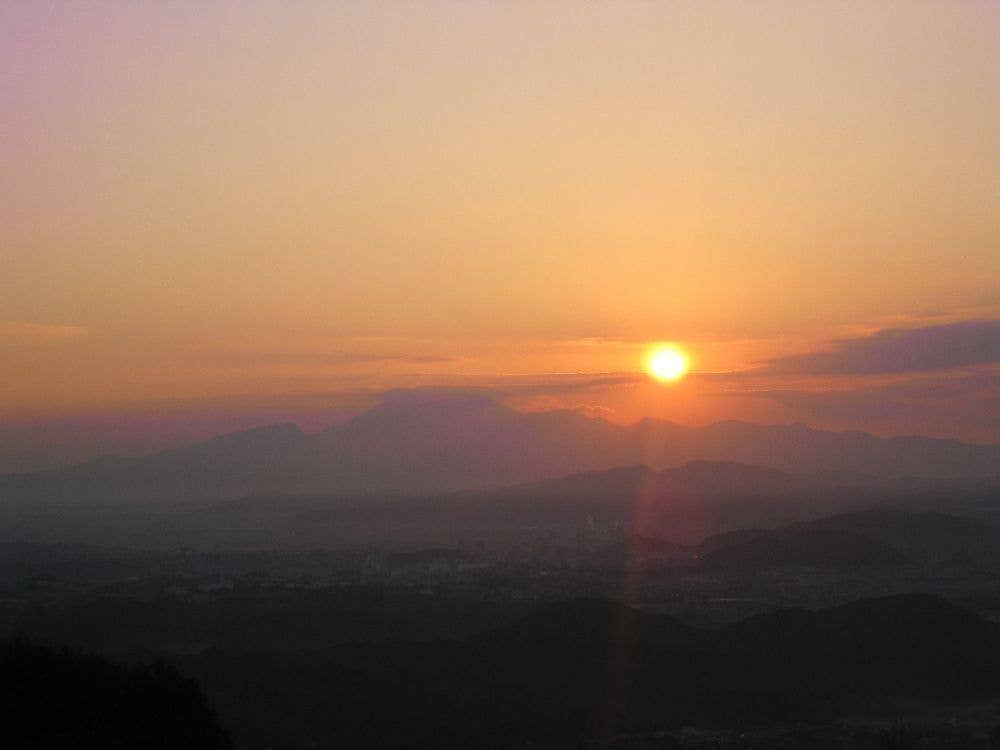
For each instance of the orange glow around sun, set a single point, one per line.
(667, 363)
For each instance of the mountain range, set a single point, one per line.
(419, 442)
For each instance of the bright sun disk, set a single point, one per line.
(667, 363)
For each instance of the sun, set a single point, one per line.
(667, 363)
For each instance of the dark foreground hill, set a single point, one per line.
(64, 700)
(817, 548)
(873, 537)
(592, 668)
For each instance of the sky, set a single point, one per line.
(218, 214)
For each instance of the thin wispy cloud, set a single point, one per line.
(14, 332)
(569, 383)
(266, 357)
(528, 385)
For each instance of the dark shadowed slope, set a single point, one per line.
(874, 537)
(806, 548)
(921, 536)
(56, 700)
(592, 668)
(593, 621)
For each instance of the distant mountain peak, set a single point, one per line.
(705, 467)
(438, 440)
(264, 432)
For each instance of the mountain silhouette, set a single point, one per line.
(436, 442)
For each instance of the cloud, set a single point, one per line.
(568, 383)
(513, 386)
(900, 350)
(16, 332)
(268, 357)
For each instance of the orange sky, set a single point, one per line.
(272, 200)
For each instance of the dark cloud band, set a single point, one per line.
(901, 350)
